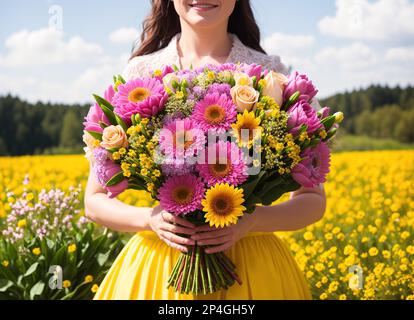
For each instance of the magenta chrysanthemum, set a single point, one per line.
(314, 168)
(223, 164)
(181, 140)
(144, 96)
(215, 112)
(181, 194)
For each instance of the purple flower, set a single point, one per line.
(314, 168)
(301, 83)
(302, 113)
(105, 169)
(220, 88)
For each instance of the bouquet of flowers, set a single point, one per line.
(210, 144)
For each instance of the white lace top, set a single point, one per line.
(141, 65)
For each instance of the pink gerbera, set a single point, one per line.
(144, 96)
(180, 140)
(314, 168)
(224, 163)
(181, 194)
(215, 112)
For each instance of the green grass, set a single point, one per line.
(362, 143)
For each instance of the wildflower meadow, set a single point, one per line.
(363, 248)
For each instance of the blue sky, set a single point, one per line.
(341, 44)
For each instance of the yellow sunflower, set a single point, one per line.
(223, 205)
(246, 125)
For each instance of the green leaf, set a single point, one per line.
(115, 179)
(102, 102)
(5, 284)
(175, 68)
(273, 194)
(96, 135)
(32, 269)
(109, 114)
(37, 289)
(121, 78)
(331, 134)
(103, 125)
(249, 186)
(269, 186)
(50, 243)
(292, 100)
(328, 122)
(103, 258)
(11, 250)
(60, 256)
(121, 122)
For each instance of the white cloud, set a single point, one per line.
(402, 54)
(46, 47)
(294, 50)
(371, 20)
(281, 42)
(124, 36)
(43, 65)
(356, 56)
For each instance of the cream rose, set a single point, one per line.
(114, 137)
(275, 84)
(244, 97)
(169, 79)
(90, 145)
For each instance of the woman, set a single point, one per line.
(187, 32)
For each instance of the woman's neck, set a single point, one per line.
(200, 46)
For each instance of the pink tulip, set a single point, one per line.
(301, 83)
(302, 113)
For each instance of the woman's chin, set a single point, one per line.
(202, 21)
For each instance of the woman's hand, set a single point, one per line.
(221, 239)
(167, 227)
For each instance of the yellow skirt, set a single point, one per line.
(264, 264)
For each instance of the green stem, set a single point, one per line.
(189, 275)
(210, 282)
(197, 269)
(218, 270)
(203, 269)
(174, 273)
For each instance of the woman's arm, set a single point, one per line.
(116, 215)
(113, 213)
(305, 207)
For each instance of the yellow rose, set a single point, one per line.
(242, 79)
(114, 137)
(168, 81)
(275, 84)
(244, 97)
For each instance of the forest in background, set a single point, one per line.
(377, 112)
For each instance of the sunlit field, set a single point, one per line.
(362, 249)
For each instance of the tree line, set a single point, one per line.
(377, 111)
(25, 128)
(39, 128)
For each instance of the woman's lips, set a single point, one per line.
(202, 7)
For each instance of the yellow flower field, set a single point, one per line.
(362, 249)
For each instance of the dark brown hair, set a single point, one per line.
(163, 23)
